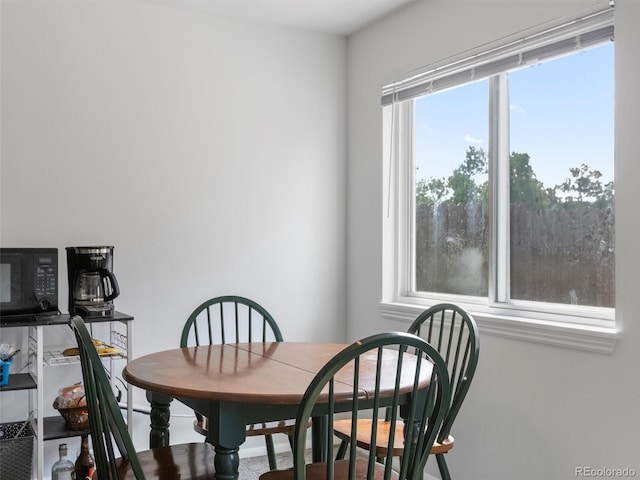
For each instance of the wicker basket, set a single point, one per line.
(76, 418)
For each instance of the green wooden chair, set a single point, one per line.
(193, 461)
(234, 319)
(454, 333)
(342, 385)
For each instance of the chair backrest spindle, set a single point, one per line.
(234, 319)
(456, 329)
(229, 319)
(114, 453)
(423, 376)
(106, 423)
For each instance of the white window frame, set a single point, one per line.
(586, 328)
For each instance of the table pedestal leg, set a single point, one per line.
(227, 431)
(160, 414)
(416, 426)
(319, 427)
(226, 462)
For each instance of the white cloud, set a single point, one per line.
(516, 108)
(469, 139)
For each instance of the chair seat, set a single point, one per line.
(342, 429)
(255, 429)
(191, 460)
(318, 471)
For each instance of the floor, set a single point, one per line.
(252, 468)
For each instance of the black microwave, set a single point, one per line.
(28, 281)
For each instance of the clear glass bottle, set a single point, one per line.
(63, 468)
(85, 464)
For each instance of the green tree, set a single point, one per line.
(462, 181)
(585, 185)
(525, 188)
(460, 186)
(433, 191)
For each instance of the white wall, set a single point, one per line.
(534, 411)
(210, 152)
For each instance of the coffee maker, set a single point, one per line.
(92, 284)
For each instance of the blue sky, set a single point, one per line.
(561, 114)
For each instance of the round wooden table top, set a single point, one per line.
(253, 373)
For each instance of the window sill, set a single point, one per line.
(589, 338)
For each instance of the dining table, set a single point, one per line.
(237, 384)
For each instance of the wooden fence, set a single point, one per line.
(560, 255)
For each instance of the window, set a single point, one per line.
(503, 199)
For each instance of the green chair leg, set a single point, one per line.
(442, 466)
(342, 450)
(271, 452)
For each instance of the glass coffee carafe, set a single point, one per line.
(94, 288)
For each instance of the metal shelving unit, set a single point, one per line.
(43, 356)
